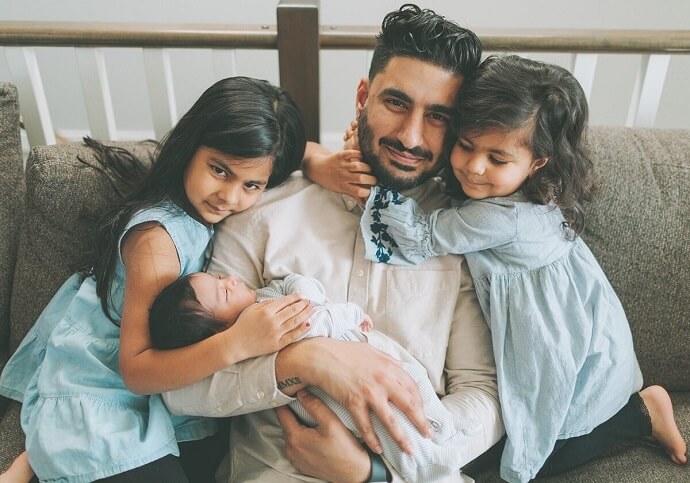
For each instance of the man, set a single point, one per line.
(431, 309)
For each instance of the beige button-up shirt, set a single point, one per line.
(430, 309)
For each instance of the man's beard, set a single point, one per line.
(383, 175)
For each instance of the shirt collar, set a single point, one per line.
(353, 204)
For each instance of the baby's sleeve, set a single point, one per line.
(307, 287)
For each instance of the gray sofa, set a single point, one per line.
(639, 228)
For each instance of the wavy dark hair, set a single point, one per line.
(510, 92)
(423, 34)
(177, 318)
(239, 116)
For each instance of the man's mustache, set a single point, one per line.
(398, 146)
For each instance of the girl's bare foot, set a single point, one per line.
(19, 472)
(664, 428)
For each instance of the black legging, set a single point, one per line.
(167, 468)
(629, 424)
(197, 463)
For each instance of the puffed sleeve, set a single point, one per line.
(397, 231)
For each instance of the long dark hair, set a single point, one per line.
(239, 116)
(510, 92)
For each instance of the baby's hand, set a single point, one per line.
(366, 325)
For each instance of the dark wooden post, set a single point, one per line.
(298, 58)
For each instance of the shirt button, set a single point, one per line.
(360, 273)
(273, 404)
(260, 394)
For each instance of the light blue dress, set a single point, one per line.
(564, 352)
(81, 422)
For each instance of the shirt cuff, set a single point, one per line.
(258, 384)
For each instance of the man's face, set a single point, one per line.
(403, 116)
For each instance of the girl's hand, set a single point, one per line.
(350, 137)
(342, 172)
(268, 326)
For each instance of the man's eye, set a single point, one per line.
(438, 117)
(396, 103)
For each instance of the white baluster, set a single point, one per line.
(161, 91)
(584, 68)
(649, 86)
(97, 96)
(33, 104)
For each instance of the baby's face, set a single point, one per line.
(224, 296)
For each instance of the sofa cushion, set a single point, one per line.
(12, 189)
(11, 435)
(639, 230)
(58, 188)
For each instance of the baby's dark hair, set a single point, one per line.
(423, 34)
(177, 318)
(510, 92)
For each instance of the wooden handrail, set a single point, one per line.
(95, 34)
(528, 40)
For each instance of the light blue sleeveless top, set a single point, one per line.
(81, 422)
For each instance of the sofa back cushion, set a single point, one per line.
(639, 230)
(11, 202)
(58, 188)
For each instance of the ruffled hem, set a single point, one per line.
(82, 438)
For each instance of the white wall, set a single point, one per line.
(340, 70)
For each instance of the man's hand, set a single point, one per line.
(328, 451)
(362, 379)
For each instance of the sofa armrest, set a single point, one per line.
(11, 202)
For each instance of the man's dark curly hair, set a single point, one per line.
(422, 34)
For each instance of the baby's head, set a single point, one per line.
(195, 307)
(521, 125)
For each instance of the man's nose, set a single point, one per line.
(411, 134)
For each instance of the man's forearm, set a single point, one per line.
(246, 387)
(292, 363)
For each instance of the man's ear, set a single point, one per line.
(362, 95)
(538, 164)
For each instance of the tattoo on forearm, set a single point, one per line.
(290, 381)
